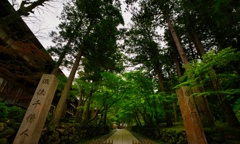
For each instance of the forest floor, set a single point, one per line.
(222, 128)
(137, 136)
(104, 137)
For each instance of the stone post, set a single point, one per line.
(35, 117)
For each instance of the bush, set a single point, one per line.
(11, 113)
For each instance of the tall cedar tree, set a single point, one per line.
(92, 14)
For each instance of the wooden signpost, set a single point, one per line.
(35, 117)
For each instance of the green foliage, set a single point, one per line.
(62, 79)
(200, 74)
(3, 110)
(236, 106)
(16, 113)
(11, 114)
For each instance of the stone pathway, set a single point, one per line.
(122, 136)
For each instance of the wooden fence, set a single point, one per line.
(141, 142)
(100, 141)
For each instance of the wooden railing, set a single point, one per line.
(100, 141)
(141, 142)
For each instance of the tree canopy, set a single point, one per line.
(135, 74)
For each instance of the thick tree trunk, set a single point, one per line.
(228, 111)
(202, 103)
(191, 120)
(197, 128)
(203, 109)
(229, 115)
(59, 109)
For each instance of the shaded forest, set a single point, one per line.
(175, 64)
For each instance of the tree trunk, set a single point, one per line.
(138, 119)
(64, 111)
(105, 117)
(178, 66)
(146, 118)
(79, 112)
(24, 10)
(176, 41)
(59, 109)
(202, 105)
(86, 114)
(204, 111)
(191, 48)
(191, 120)
(156, 117)
(198, 44)
(194, 36)
(168, 115)
(229, 115)
(198, 130)
(176, 118)
(228, 111)
(65, 50)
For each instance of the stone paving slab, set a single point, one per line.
(122, 136)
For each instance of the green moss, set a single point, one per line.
(3, 141)
(7, 133)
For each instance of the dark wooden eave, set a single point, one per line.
(19, 31)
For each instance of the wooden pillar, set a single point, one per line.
(34, 119)
(191, 120)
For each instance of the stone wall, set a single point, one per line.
(177, 135)
(6, 134)
(72, 133)
(66, 133)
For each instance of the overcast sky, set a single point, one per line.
(45, 19)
